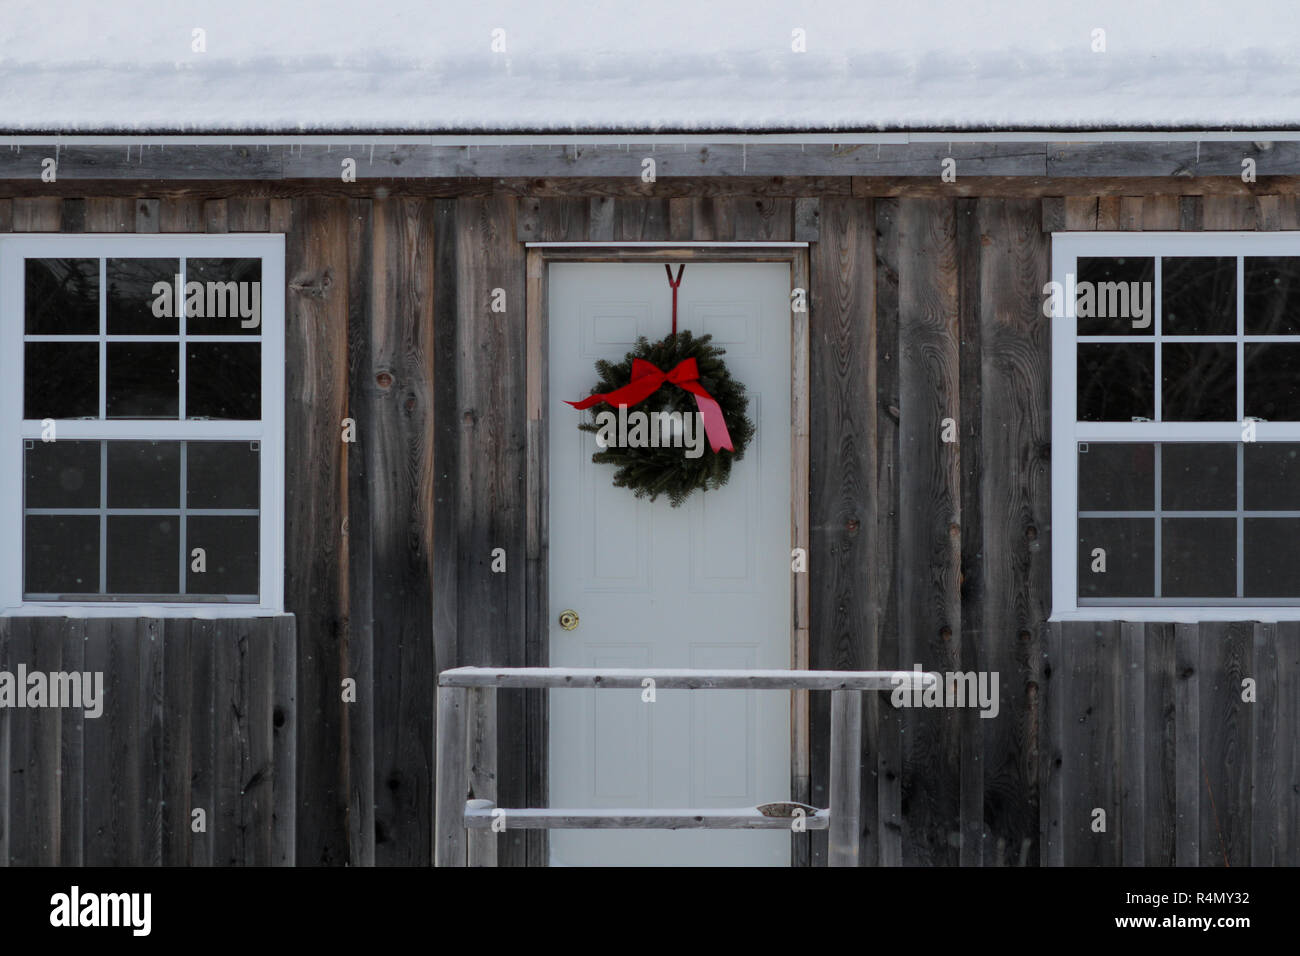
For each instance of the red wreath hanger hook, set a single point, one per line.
(674, 283)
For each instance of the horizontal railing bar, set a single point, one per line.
(533, 818)
(682, 678)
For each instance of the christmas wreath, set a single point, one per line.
(669, 380)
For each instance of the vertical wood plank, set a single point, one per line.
(1159, 746)
(181, 215)
(972, 232)
(640, 219)
(1133, 681)
(1005, 519)
(563, 219)
(1160, 212)
(800, 438)
(110, 214)
(147, 212)
(73, 744)
(1191, 212)
(257, 779)
(884, 556)
(316, 258)
(929, 519)
(359, 533)
(1187, 783)
(492, 379)
(1229, 213)
(229, 743)
(1081, 213)
(248, 214)
(1091, 746)
(38, 214)
(679, 218)
(35, 747)
(399, 451)
(280, 215)
(1130, 213)
(1268, 796)
(1284, 830)
(6, 215)
(807, 219)
(202, 704)
(1108, 212)
(713, 218)
(216, 216)
(1227, 728)
(74, 215)
(600, 219)
(179, 714)
(284, 740)
(764, 218)
(1053, 211)
(1051, 776)
(6, 762)
(842, 466)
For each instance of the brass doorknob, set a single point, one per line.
(568, 619)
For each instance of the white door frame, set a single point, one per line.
(539, 256)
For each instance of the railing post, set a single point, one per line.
(452, 778)
(483, 769)
(846, 777)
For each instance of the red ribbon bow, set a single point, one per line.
(646, 379)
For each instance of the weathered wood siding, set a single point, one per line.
(925, 306)
(196, 715)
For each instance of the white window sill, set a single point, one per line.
(1180, 615)
(196, 611)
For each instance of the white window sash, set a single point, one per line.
(269, 431)
(1067, 431)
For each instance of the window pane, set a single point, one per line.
(1200, 382)
(1272, 295)
(1272, 476)
(144, 474)
(222, 475)
(1272, 553)
(61, 380)
(1115, 382)
(132, 300)
(61, 297)
(62, 474)
(1113, 293)
(143, 554)
(1197, 476)
(1199, 295)
(142, 380)
(224, 380)
(231, 551)
(232, 296)
(1198, 557)
(1116, 476)
(1128, 548)
(61, 554)
(1273, 381)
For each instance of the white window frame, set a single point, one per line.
(14, 248)
(1067, 431)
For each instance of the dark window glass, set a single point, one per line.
(144, 474)
(1272, 481)
(1198, 557)
(224, 380)
(1198, 476)
(232, 296)
(142, 380)
(1272, 389)
(61, 380)
(1116, 382)
(1199, 295)
(222, 475)
(231, 550)
(1129, 548)
(132, 299)
(1272, 295)
(61, 297)
(62, 474)
(1272, 556)
(143, 554)
(1200, 382)
(1116, 476)
(1113, 293)
(61, 554)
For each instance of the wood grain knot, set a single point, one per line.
(852, 525)
(384, 380)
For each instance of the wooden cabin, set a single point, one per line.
(270, 537)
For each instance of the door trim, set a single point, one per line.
(537, 641)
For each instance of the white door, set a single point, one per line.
(706, 585)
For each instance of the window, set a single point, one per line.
(1176, 425)
(141, 423)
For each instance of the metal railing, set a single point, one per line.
(465, 811)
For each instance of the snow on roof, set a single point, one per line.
(617, 66)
